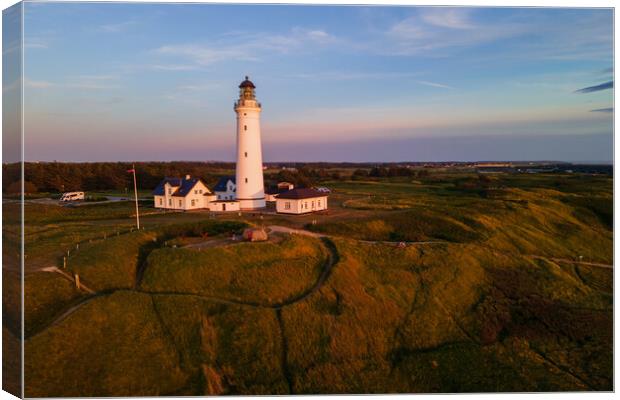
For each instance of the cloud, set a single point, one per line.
(29, 83)
(452, 18)
(435, 84)
(249, 46)
(172, 67)
(443, 31)
(603, 110)
(83, 82)
(596, 88)
(344, 75)
(117, 27)
(441, 28)
(203, 55)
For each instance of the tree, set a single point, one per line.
(16, 187)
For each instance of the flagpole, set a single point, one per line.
(135, 190)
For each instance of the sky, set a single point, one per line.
(137, 82)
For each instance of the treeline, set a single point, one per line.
(62, 177)
(383, 172)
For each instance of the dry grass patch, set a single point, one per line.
(265, 273)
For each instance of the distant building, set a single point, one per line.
(301, 201)
(281, 187)
(226, 188)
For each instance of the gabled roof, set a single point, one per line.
(186, 186)
(183, 186)
(222, 184)
(174, 182)
(300, 193)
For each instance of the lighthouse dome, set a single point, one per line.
(247, 83)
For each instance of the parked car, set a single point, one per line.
(72, 196)
(323, 189)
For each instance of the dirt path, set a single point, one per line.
(67, 276)
(285, 229)
(569, 261)
(331, 260)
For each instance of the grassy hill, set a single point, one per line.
(491, 294)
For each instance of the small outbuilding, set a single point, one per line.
(224, 205)
(273, 191)
(301, 201)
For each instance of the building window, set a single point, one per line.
(313, 205)
(161, 201)
(180, 202)
(195, 191)
(200, 191)
(246, 154)
(170, 202)
(245, 127)
(246, 180)
(169, 191)
(193, 202)
(287, 205)
(319, 201)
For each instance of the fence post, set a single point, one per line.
(77, 281)
(64, 263)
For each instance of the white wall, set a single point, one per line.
(249, 171)
(197, 194)
(301, 206)
(224, 206)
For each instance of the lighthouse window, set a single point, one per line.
(246, 154)
(246, 180)
(245, 127)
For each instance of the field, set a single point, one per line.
(450, 282)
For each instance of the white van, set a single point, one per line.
(72, 196)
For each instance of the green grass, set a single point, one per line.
(438, 305)
(111, 263)
(46, 295)
(112, 346)
(475, 313)
(252, 272)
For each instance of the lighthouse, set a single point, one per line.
(249, 175)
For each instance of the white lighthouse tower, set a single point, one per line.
(249, 176)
